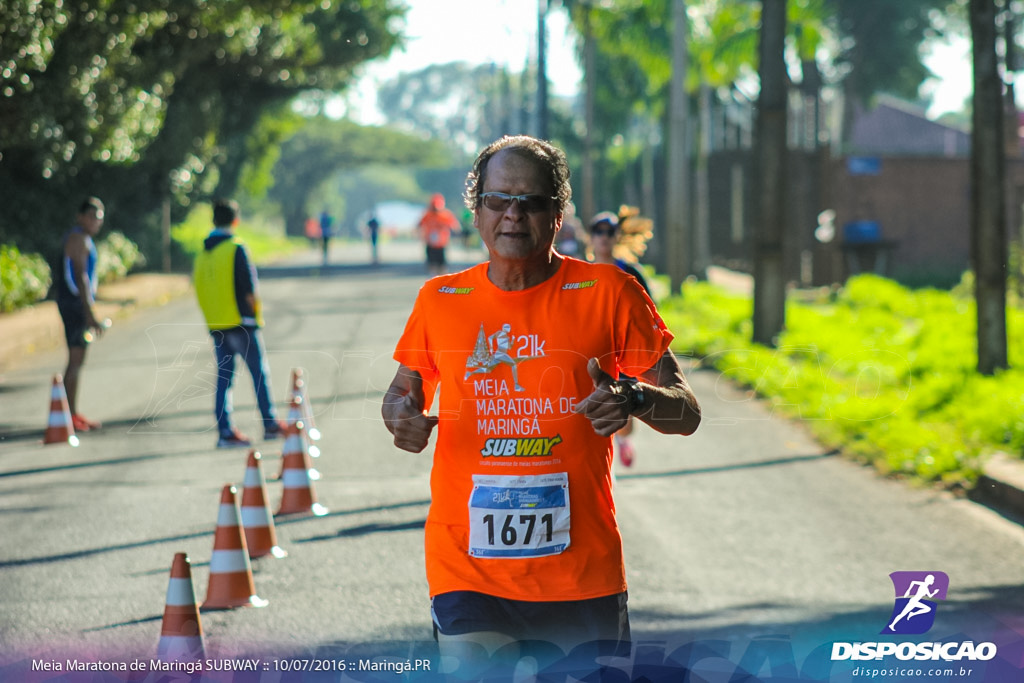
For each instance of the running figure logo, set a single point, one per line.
(914, 611)
(490, 352)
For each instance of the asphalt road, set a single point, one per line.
(747, 534)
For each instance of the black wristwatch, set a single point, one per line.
(634, 393)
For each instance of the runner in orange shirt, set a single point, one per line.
(521, 537)
(436, 228)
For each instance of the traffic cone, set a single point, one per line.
(181, 635)
(231, 583)
(298, 496)
(296, 413)
(299, 389)
(295, 441)
(59, 428)
(257, 523)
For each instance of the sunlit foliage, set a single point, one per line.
(139, 101)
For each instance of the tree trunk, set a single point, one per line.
(701, 190)
(677, 207)
(588, 203)
(769, 280)
(542, 70)
(988, 191)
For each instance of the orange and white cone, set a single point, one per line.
(299, 390)
(59, 428)
(298, 496)
(181, 635)
(231, 583)
(295, 441)
(296, 413)
(257, 523)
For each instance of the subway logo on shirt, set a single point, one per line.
(520, 448)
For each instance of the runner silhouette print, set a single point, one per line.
(914, 609)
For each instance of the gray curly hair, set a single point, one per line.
(541, 151)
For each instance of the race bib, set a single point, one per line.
(519, 516)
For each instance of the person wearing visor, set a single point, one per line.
(606, 247)
(521, 539)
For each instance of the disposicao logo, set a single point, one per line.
(914, 613)
(916, 595)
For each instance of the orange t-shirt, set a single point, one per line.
(437, 227)
(521, 488)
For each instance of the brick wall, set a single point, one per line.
(922, 205)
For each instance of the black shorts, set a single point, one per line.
(583, 621)
(73, 315)
(435, 256)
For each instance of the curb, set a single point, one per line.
(39, 327)
(1001, 486)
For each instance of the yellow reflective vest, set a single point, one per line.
(213, 276)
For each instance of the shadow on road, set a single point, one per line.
(367, 529)
(731, 468)
(357, 511)
(91, 463)
(363, 529)
(90, 552)
(144, 620)
(113, 427)
(354, 531)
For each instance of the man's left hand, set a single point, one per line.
(606, 407)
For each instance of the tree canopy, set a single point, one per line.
(869, 46)
(139, 101)
(325, 147)
(464, 105)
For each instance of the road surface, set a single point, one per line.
(747, 542)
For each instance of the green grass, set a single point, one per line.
(881, 371)
(264, 242)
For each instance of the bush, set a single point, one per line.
(116, 255)
(24, 278)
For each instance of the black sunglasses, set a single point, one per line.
(606, 232)
(530, 203)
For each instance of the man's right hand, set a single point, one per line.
(403, 412)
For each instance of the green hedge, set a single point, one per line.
(116, 256)
(884, 372)
(26, 278)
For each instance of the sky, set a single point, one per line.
(475, 31)
(504, 32)
(953, 61)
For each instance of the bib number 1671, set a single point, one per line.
(519, 516)
(510, 532)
